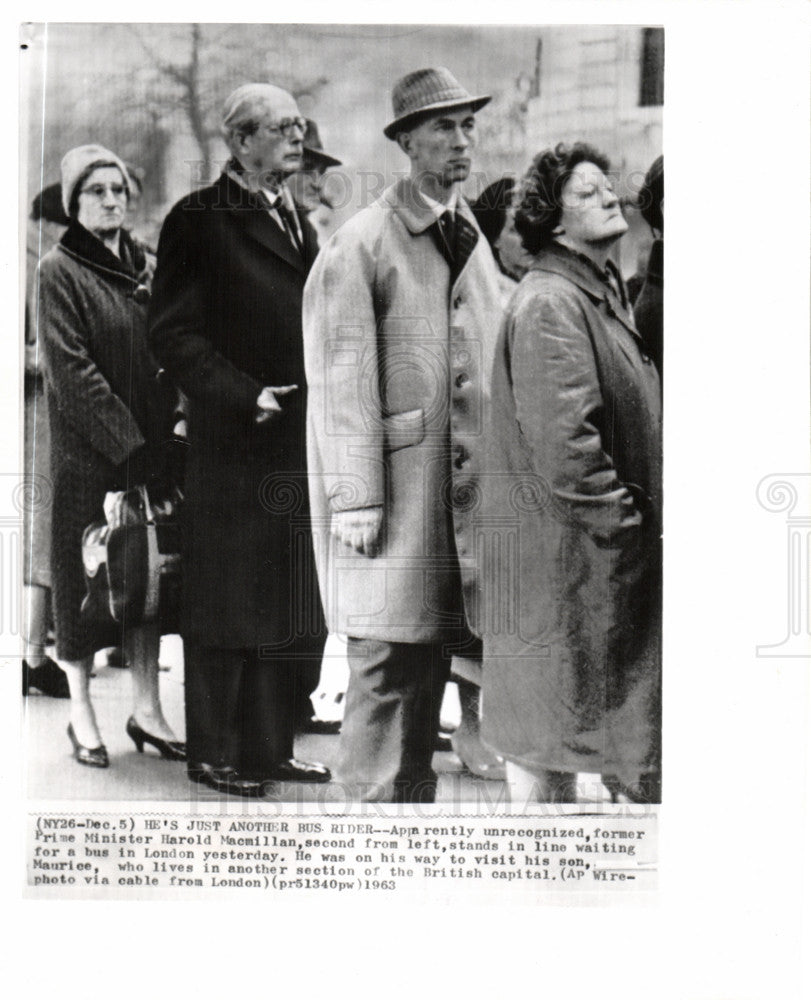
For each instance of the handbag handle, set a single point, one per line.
(148, 512)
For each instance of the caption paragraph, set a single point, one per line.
(134, 854)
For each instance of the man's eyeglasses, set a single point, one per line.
(286, 125)
(100, 190)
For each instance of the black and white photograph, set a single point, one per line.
(343, 384)
(354, 553)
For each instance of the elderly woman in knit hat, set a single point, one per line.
(109, 416)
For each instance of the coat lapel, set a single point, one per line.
(134, 266)
(260, 226)
(257, 224)
(404, 197)
(560, 260)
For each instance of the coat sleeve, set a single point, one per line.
(178, 320)
(82, 394)
(340, 351)
(560, 410)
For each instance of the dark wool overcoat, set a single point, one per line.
(649, 306)
(225, 321)
(571, 529)
(105, 403)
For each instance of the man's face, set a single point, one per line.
(305, 186)
(440, 146)
(275, 149)
(513, 255)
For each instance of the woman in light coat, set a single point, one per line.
(572, 504)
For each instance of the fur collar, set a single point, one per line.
(134, 264)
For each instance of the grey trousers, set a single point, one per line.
(391, 720)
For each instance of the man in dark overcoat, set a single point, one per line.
(225, 322)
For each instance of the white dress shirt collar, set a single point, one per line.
(438, 207)
(274, 197)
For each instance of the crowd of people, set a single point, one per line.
(420, 436)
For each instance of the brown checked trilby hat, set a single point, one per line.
(424, 91)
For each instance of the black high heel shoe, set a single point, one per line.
(168, 749)
(91, 756)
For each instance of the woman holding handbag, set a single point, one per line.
(109, 416)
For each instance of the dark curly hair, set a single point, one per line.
(539, 202)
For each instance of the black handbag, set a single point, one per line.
(132, 562)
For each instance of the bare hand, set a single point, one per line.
(267, 405)
(359, 529)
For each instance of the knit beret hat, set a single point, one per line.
(76, 162)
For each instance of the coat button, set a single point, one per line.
(646, 358)
(457, 301)
(461, 379)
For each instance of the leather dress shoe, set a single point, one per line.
(299, 770)
(224, 779)
(646, 790)
(48, 677)
(319, 727)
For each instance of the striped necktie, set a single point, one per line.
(447, 225)
(290, 225)
(444, 232)
(274, 202)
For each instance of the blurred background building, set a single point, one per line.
(153, 93)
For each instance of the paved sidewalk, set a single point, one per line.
(53, 774)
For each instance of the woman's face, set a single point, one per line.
(103, 202)
(510, 249)
(590, 214)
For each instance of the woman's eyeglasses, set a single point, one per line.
(100, 190)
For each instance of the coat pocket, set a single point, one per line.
(403, 429)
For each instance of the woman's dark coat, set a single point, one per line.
(108, 412)
(571, 523)
(648, 309)
(225, 321)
